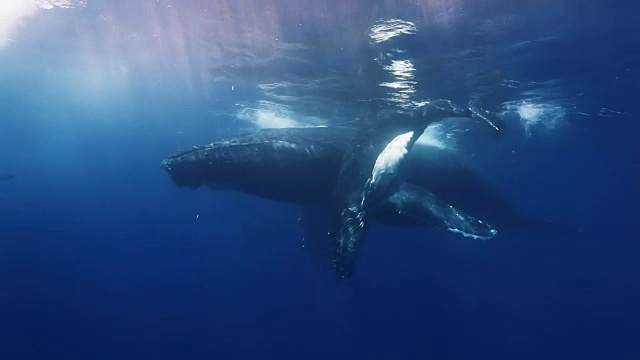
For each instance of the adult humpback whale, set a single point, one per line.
(301, 166)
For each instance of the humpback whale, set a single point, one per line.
(359, 174)
(303, 166)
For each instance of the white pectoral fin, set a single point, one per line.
(425, 208)
(456, 221)
(385, 169)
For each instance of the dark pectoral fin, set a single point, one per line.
(347, 237)
(349, 218)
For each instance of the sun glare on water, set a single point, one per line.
(13, 14)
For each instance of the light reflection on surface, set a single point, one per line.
(306, 56)
(13, 14)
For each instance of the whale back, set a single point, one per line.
(296, 165)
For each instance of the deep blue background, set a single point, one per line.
(102, 257)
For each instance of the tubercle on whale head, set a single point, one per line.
(179, 177)
(186, 167)
(215, 165)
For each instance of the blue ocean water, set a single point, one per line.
(103, 257)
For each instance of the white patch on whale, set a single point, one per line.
(435, 136)
(386, 165)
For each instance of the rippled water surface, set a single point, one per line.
(103, 257)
